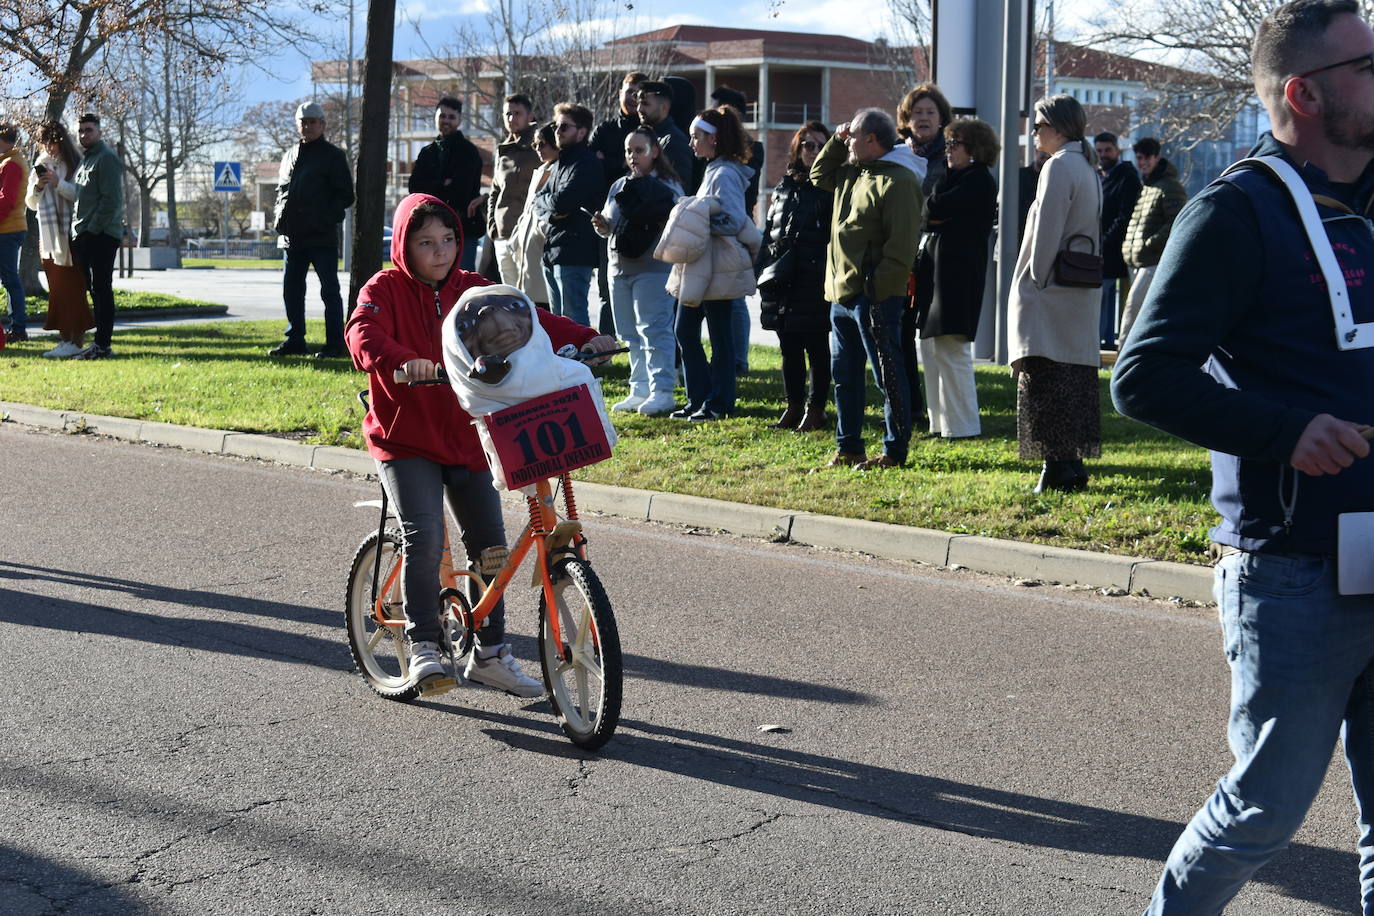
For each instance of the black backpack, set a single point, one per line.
(644, 207)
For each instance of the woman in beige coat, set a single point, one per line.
(526, 246)
(1053, 328)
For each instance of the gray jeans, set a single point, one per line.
(417, 488)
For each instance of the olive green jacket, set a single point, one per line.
(876, 224)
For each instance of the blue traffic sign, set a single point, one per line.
(228, 177)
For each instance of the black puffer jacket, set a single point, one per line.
(798, 221)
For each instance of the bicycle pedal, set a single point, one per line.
(436, 684)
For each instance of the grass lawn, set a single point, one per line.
(125, 301)
(1148, 495)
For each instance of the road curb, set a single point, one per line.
(1016, 559)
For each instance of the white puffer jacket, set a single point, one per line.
(706, 266)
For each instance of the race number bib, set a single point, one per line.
(544, 437)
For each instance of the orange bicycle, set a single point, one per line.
(579, 644)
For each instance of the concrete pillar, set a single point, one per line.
(955, 64)
(825, 97)
(710, 85)
(765, 115)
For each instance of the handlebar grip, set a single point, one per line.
(440, 377)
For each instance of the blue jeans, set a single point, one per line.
(10, 243)
(1106, 325)
(709, 385)
(297, 263)
(872, 332)
(569, 288)
(739, 323)
(643, 312)
(468, 259)
(1301, 676)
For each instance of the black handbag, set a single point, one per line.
(778, 274)
(1078, 268)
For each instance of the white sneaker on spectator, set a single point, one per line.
(630, 403)
(63, 350)
(658, 405)
(503, 672)
(427, 671)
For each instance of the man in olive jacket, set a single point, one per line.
(511, 171)
(1153, 217)
(314, 188)
(97, 227)
(873, 237)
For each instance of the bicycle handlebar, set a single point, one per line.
(441, 377)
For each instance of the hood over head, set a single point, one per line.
(902, 155)
(400, 229)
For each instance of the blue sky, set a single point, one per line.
(439, 19)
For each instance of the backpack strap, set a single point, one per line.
(1316, 236)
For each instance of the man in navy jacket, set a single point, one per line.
(1236, 349)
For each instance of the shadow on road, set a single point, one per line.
(279, 642)
(34, 884)
(1304, 872)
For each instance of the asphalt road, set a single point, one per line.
(183, 733)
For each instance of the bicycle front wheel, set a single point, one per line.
(582, 670)
(379, 651)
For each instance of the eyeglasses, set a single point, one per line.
(473, 311)
(566, 125)
(953, 143)
(810, 144)
(1362, 59)
(1040, 125)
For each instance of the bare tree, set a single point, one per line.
(552, 52)
(177, 115)
(1206, 83)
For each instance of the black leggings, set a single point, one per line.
(797, 349)
(913, 375)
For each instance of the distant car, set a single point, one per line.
(386, 243)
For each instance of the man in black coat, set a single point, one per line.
(450, 168)
(655, 109)
(575, 189)
(1120, 188)
(608, 142)
(314, 188)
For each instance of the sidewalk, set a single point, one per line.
(1050, 565)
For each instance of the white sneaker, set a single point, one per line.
(630, 403)
(503, 672)
(63, 350)
(658, 405)
(427, 670)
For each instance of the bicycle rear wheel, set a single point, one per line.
(380, 652)
(582, 671)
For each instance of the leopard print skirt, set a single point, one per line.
(1058, 416)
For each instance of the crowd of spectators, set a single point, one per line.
(872, 258)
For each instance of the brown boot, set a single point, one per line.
(845, 460)
(789, 419)
(813, 419)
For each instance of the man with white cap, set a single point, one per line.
(314, 188)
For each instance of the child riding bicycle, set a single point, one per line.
(424, 443)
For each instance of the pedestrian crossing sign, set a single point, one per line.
(228, 177)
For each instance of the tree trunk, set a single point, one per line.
(173, 230)
(373, 133)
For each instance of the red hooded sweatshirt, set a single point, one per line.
(399, 318)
